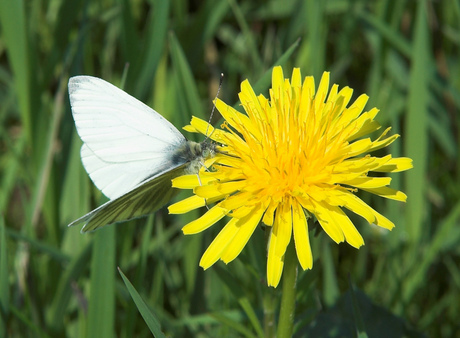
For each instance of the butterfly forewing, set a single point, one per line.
(125, 141)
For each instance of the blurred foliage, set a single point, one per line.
(56, 282)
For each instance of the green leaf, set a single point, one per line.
(145, 312)
(339, 321)
(357, 316)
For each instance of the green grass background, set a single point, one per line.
(55, 282)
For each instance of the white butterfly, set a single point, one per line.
(129, 150)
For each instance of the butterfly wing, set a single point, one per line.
(144, 199)
(125, 141)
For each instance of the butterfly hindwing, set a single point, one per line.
(146, 198)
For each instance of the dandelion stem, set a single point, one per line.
(287, 311)
(270, 301)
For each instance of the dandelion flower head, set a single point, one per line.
(298, 153)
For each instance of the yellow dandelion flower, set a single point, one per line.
(298, 153)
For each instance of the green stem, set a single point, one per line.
(270, 301)
(287, 311)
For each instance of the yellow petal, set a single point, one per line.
(236, 201)
(246, 226)
(306, 96)
(352, 236)
(388, 192)
(191, 181)
(396, 165)
(333, 97)
(214, 252)
(269, 215)
(302, 242)
(186, 205)
(358, 147)
(282, 228)
(275, 265)
(365, 124)
(209, 218)
(190, 129)
(382, 221)
(360, 165)
(228, 161)
(242, 211)
(250, 101)
(296, 78)
(356, 205)
(382, 143)
(346, 94)
(209, 191)
(231, 115)
(321, 95)
(277, 82)
(368, 182)
(323, 213)
(357, 107)
(203, 127)
(305, 201)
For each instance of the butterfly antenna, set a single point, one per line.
(214, 104)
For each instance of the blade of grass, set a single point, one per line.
(262, 85)
(4, 277)
(446, 238)
(238, 293)
(265, 80)
(40, 246)
(141, 271)
(11, 171)
(192, 247)
(145, 312)
(47, 161)
(311, 56)
(155, 43)
(233, 324)
(396, 40)
(187, 87)
(63, 293)
(26, 322)
(101, 311)
(219, 10)
(331, 288)
(14, 34)
(249, 37)
(131, 43)
(75, 187)
(416, 136)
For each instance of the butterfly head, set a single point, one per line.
(197, 154)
